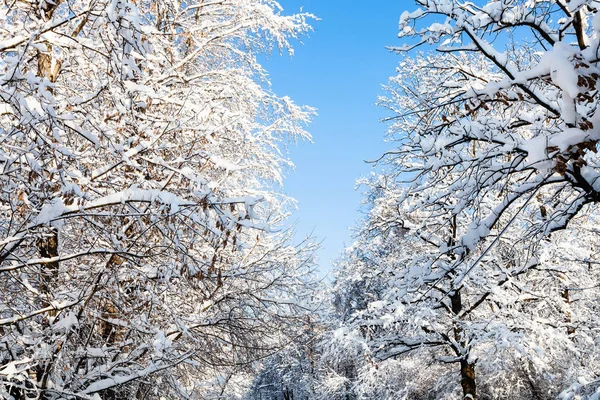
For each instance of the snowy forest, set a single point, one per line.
(146, 250)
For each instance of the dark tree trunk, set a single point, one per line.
(48, 248)
(467, 380)
(467, 369)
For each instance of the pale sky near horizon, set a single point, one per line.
(339, 69)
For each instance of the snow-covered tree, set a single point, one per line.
(142, 151)
(500, 335)
(504, 121)
(496, 152)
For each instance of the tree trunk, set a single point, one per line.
(48, 244)
(467, 380)
(467, 369)
(48, 248)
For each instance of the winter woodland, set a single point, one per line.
(144, 249)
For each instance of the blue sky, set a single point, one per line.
(339, 69)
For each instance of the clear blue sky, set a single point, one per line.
(339, 69)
